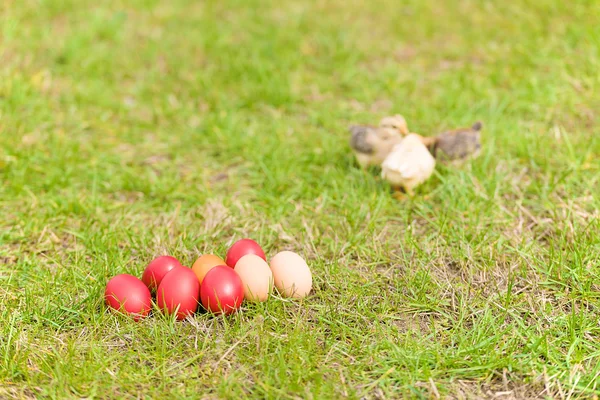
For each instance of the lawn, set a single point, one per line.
(130, 129)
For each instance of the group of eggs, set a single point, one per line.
(219, 285)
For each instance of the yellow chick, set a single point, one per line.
(395, 122)
(371, 144)
(408, 165)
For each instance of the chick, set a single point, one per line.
(456, 145)
(372, 144)
(408, 165)
(395, 122)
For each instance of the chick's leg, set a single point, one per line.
(399, 193)
(399, 196)
(410, 191)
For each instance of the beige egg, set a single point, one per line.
(292, 276)
(256, 277)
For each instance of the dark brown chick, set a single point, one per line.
(456, 145)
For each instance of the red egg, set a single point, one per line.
(179, 288)
(157, 269)
(242, 247)
(222, 290)
(129, 295)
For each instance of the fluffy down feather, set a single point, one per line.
(409, 164)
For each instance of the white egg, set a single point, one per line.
(291, 274)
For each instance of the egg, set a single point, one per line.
(256, 277)
(157, 269)
(222, 291)
(205, 263)
(129, 295)
(179, 288)
(242, 247)
(291, 274)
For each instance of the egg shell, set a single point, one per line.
(222, 291)
(256, 277)
(129, 295)
(205, 263)
(179, 288)
(157, 269)
(242, 247)
(291, 275)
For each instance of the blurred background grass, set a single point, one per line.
(132, 129)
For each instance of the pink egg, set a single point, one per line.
(240, 249)
(179, 291)
(157, 269)
(221, 291)
(128, 294)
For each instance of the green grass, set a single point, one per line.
(130, 129)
